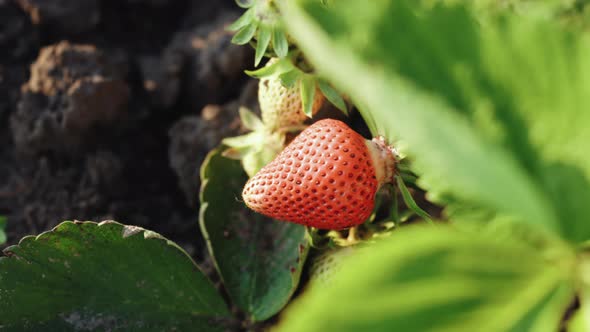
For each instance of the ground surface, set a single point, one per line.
(107, 108)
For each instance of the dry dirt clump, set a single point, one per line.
(72, 90)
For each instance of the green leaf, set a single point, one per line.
(279, 42)
(264, 35)
(245, 34)
(333, 96)
(259, 259)
(308, 90)
(243, 21)
(431, 279)
(105, 276)
(2, 228)
(495, 120)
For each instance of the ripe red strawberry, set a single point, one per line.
(326, 178)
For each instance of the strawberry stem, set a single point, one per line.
(352, 236)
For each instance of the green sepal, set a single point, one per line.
(245, 34)
(290, 78)
(281, 66)
(255, 149)
(245, 3)
(333, 96)
(254, 138)
(307, 87)
(249, 119)
(279, 42)
(409, 200)
(241, 22)
(235, 153)
(264, 35)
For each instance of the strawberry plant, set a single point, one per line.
(481, 106)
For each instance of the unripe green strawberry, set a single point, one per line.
(327, 178)
(281, 106)
(327, 264)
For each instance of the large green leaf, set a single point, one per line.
(84, 276)
(494, 114)
(259, 259)
(438, 279)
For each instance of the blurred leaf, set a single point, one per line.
(264, 35)
(259, 259)
(308, 90)
(495, 120)
(84, 276)
(245, 34)
(333, 96)
(436, 279)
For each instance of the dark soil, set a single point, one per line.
(108, 107)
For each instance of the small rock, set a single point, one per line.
(73, 89)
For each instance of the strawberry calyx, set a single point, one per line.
(256, 148)
(384, 159)
(261, 26)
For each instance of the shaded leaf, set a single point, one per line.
(106, 276)
(259, 259)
